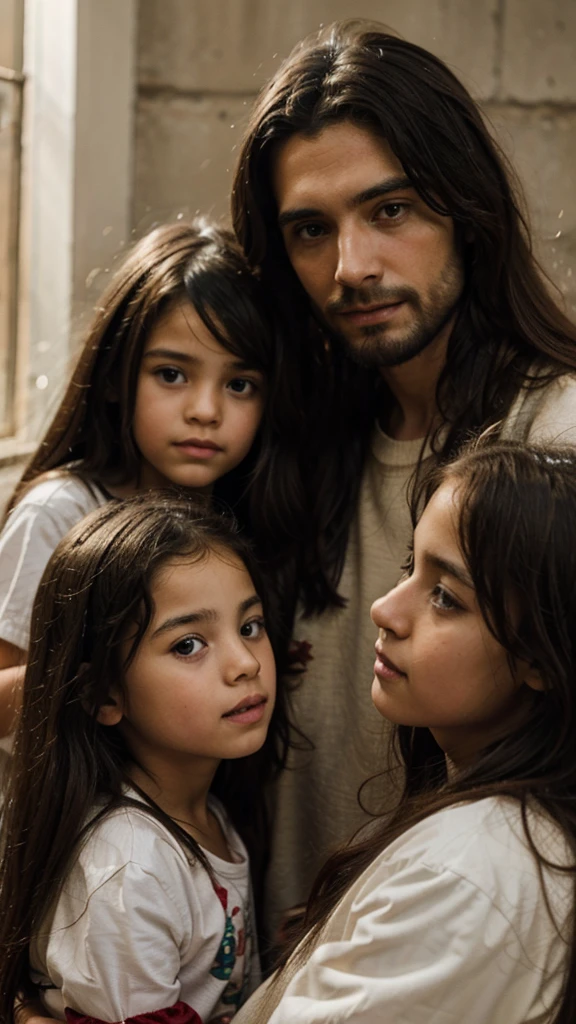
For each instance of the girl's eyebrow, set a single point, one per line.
(202, 615)
(186, 357)
(451, 568)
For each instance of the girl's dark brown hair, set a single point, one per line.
(92, 428)
(508, 328)
(96, 588)
(517, 509)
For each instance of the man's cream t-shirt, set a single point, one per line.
(315, 804)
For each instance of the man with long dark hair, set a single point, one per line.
(386, 224)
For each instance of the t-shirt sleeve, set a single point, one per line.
(119, 956)
(28, 539)
(423, 948)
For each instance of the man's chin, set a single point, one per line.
(383, 351)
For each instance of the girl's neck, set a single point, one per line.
(181, 791)
(128, 489)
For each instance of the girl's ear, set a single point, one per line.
(112, 710)
(533, 679)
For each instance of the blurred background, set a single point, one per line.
(118, 114)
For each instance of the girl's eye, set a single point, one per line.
(188, 646)
(242, 386)
(254, 629)
(407, 566)
(443, 600)
(170, 375)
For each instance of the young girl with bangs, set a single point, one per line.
(124, 888)
(460, 906)
(176, 385)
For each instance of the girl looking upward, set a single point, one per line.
(460, 907)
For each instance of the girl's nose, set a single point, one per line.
(392, 612)
(241, 663)
(203, 406)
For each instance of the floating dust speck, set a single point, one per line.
(561, 214)
(108, 230)
(41, 382)
(557, 235)
(91, 277)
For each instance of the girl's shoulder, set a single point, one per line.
(61, 490)
(129, 834)
(484, 843)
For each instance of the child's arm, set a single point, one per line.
(28, 1011)
(12, 669)
(124, 930)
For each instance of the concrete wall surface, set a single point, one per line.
(201, 63)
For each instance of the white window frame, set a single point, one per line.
(76, 188)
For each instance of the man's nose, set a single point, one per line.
(358, 258)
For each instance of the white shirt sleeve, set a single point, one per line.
(31, 533)
(119, 956)
(422, 948)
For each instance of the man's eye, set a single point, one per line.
(170, 375)
(253, 629)
(310, 231)
(187, 646)
(392, 211)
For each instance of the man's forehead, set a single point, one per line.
(340, 161)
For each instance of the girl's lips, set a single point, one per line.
(247, 711)
(199, 449)
(383, 667)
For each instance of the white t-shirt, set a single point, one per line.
(32, 531)
(139, 927)
(448, 925)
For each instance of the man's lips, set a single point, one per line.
(371, 314)
(248, 710)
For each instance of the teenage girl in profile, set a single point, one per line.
(175, 385)
(124, 888)
(461, 906)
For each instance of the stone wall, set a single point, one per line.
(201, 63)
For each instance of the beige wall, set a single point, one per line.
(200, 63)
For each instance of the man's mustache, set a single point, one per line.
(352, 298)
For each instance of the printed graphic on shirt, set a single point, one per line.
(233, 949)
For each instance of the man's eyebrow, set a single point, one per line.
(202, 615)
(383, 188)
(451, 568)
(185, 357)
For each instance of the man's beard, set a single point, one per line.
(372, 345)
